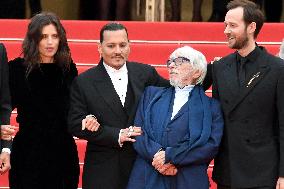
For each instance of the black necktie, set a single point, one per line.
(242, 71)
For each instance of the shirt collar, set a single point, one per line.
(185, 88)
(111, 70)
(252, 56)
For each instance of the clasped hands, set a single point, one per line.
(7, 131)
(158, 162)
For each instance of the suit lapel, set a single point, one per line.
(106, 90)
(137, 87)
(251, 82)
(183, 110)
(230, 75)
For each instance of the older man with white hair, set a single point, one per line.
(182, 128)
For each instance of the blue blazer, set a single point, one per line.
(190, 139)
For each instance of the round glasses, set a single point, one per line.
(177, 61)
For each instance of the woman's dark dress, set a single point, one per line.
(44, 154)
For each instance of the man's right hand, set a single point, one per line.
(7, 131)
(90, 123)
(168, 169)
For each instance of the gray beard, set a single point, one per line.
(176, 84)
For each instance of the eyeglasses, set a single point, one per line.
(177, 61)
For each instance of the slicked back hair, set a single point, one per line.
(112, 26)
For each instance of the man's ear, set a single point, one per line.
(251, 27)
(100, 48)
(196, 74)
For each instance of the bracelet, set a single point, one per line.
(131, 129)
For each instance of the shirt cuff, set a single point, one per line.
(119, 143)
(7, 150)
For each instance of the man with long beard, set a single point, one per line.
(250, 86)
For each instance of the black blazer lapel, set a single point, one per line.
(106, 90)
(230, 75)
(137, 87)
(252, 81)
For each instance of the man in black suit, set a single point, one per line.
(110, 93)
(5, 112)
(250, 86)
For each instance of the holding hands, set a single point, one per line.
(158, 162)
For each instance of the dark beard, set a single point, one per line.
(241, 44)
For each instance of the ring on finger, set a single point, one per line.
(129, 134)
(131, 129)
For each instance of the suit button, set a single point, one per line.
(248, 140)
(168, 129)
(226, 102)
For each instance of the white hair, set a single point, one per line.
(197, 60)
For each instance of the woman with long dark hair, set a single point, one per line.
(44, 154)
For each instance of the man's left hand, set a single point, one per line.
(159, 159)
(280, 183)
(4, 162)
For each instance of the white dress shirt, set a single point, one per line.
(119, 79)
(181, 97)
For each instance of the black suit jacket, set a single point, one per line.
(106, 164)
(252, 149)
(5, 103)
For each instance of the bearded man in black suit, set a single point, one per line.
(250, 86)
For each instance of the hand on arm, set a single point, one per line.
(7, 131)
(90, 123)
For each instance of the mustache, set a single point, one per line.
(117, 56)
(173, 72)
